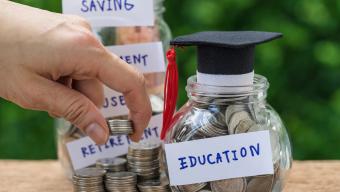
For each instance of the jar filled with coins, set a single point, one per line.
(121, 36)
(229, 100)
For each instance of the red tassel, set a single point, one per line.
(170, 91)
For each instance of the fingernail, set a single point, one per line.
(96, 133)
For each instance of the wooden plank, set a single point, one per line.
(33, 176)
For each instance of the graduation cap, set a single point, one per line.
(223, 59)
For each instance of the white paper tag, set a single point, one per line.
(84, 152)
(146, 57)
(115, 13)
(114, 104)
(218, 158)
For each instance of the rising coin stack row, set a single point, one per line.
(110, 173)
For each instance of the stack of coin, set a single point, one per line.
(143, 159)
(112, 164)
(89, 180)
(120, 127)
(153, 186)
(121, 182)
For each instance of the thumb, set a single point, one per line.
(70, 104)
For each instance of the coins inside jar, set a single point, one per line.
(235, 185)
(120, 127)
(210, 120)
(153, 186)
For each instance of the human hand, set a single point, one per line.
(52, 62)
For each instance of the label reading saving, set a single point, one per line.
(105, 13)
(218, 158)
(84, 152)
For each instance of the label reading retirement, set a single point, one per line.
(114, 13)
(225, 157)
(84, 152)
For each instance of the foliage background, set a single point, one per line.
(303, 69)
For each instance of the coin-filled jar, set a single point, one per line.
(215, 111)
(121, 36)
(226, 100)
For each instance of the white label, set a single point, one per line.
(146, 57)
(84, 152)
(115, 13)
(114, 104)
(218, 158)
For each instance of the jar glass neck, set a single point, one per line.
(226, 95)
(159, 7)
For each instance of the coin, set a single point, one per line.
(235, 120)
(88, 179)
(235, 185)
(121, 181)
(192, 187)
(120, 127)
(244, 126)
(153, 186)
(144, 160)
(260, 184)
(112, 164)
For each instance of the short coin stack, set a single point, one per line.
(120, 127)
(89, 180)
(121, 182)
(112, 164)
(153, 186)
(143, 159)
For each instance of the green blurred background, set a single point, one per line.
(303, 69)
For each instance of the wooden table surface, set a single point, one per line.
(48, 176)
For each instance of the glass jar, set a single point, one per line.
(217, 110)
(154, 81)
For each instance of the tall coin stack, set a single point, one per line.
(112, 164)
(144, 160)
(120, 127)
(121, 182)
(89, 180)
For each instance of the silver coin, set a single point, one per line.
(192, 187)
(235, 185)
(260, 184)
(244, 126)
(90, 172)
(235, 120)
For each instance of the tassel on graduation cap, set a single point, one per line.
(170, 90)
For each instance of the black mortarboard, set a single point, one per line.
(225, 58)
